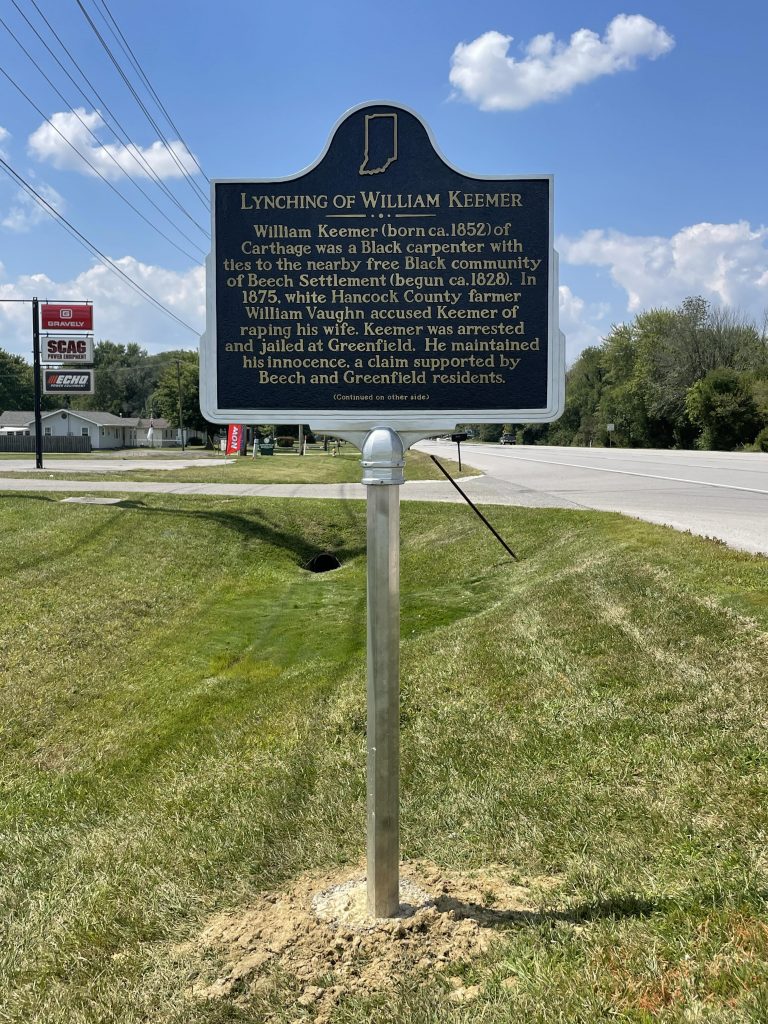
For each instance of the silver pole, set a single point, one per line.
(383, 460)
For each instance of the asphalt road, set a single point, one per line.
(714, 494)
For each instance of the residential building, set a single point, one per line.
(104, 429)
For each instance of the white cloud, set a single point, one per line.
(726, 263)
(583, 323)
(485, 75)
(26, 212)
(112, 159)
(120, 314)
(4, 136)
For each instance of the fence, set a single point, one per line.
(25, 443)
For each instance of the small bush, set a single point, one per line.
(761, 441)
(194, 442)
(285, 442)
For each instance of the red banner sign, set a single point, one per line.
(64, 316)
(234, 438)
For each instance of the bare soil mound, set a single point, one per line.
(317, 939)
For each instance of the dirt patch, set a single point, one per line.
(317, 938)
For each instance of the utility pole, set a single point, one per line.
(36, 377)
(181, 415)
(36, 371)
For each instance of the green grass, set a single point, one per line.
(184, 726)
(316, 467)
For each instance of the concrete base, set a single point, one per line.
(346, 905)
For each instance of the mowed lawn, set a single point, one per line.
(316, 467)
(183, 726)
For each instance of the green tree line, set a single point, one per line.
(128, 382)
(691, 377)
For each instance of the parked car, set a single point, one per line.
(507, 439)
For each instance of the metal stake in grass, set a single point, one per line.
(383, 460)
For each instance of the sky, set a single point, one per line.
(651, 117)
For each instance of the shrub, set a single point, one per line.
(721, 404)
(761, 441)
(285, 442)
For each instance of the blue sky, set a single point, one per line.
(650, 116)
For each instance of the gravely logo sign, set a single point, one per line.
(68, 382)
(63, 316)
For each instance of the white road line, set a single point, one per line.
(622, 472)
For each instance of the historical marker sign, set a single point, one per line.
(382, 287)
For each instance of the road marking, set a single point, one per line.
(621, 472)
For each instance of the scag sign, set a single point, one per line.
(62, 316)
(67, 350)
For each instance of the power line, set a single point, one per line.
(127, 50)
(107, 151)
(71, 107)
(110, 264)
(100, 103)
(193, 184)
(95, 169)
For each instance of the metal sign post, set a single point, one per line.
(383, 461)
(458, 438)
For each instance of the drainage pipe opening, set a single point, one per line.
(324, 562)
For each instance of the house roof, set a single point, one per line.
(13, 418)
(104, 419)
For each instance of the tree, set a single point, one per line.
(483, 431)
(490, 431)
(17, 390)
(621, 400)
(181, 368)
(639, 377)
(124, 379)
(663, 375)
(721, 404)
(683, 346)
(583, 389)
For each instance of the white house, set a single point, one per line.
(103, 428)
(15, 423)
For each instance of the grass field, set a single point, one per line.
(316, 467)
(183, 727)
